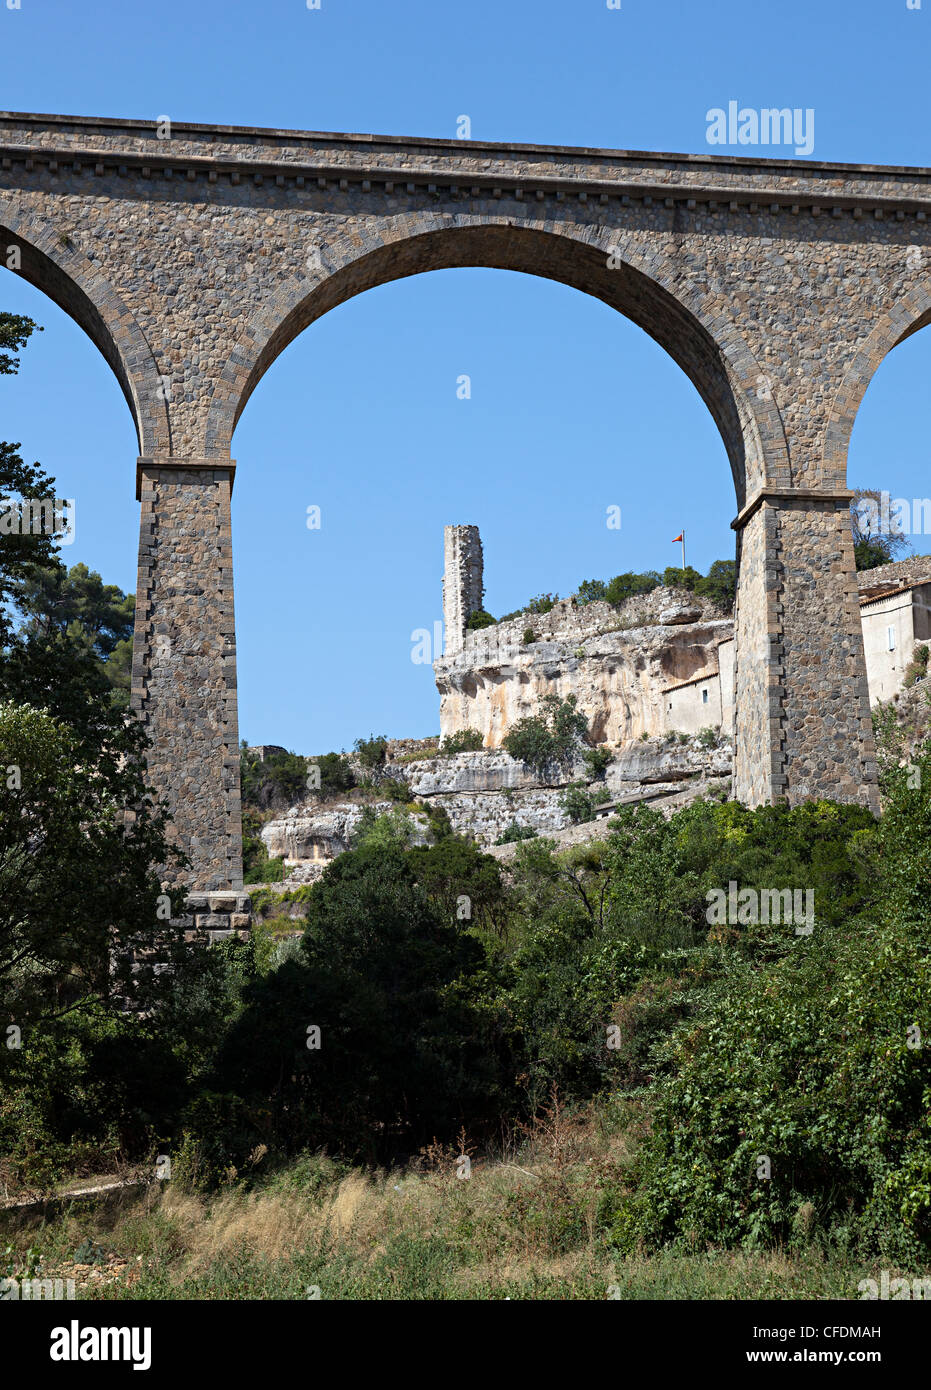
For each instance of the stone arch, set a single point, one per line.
(60, 270)
(906, 317)
(646, 289)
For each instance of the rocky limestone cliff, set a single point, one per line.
(484, 793)
(615, 661)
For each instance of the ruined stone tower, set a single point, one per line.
(463, 587)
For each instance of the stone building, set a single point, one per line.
(694, 704)
(894, 620)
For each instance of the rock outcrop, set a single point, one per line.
(615, 661)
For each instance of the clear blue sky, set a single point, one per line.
(572, 409)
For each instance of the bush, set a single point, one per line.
(393, 830)
(808, 1064)
(372, 751)
(515, 833)
(674, 577)
(720, 584)
(462, 883)
(465, 741)
(591, 591)
(279, 781)
(597, 761)
(917, 668)
(257, 867)
(553, 736)
(625, 586)
(336, 774)
(707, 738)
(396, 789)
(478, 619)
(529, 636)
(542, 603)
(577, 803)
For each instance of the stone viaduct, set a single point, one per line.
(193, 255)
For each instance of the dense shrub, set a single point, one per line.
(402, 1055)
(719, 584)
(463, 884)
(809, 1056)
(463, 741)
(553, 736)
(591, 591)
(625, 586)
(579, 803)
(514, 833)
(917, 668)
(597, 761)
(372, 751)
(542, 603)
(478, 619)
(278, 781)
(336, 774)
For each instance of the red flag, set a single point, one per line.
(678, 538)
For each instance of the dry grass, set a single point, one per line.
(530, 1222)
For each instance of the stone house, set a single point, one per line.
(894, 620)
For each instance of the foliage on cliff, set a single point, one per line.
(552, 737)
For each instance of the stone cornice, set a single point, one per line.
(160, 462)
(111, 126)
(72, 160)
(787, 497)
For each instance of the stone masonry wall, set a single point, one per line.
(463, 583)
(800, 649)
(184, 664)
(192, 257)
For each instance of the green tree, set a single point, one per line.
(78, 890)
(675, 577)
(22, 555)
(15, 332)
(591, 591)
(372, 751)
(878, 539)
(627, 585)
(55, 602)
(478, 619)
(554, 735)
(402, 1054)
(815, 1059)
(58, 659)
(278, 781)
(542, 603)
(720, 584)
(464, 884)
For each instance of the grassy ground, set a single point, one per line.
(532, 1223)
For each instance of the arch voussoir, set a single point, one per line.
(707, 344)
(62, 271)
(899, 322)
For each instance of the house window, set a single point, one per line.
(704, 697)
(890, 638)
(670, 704)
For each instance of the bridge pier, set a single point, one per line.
(803, 726)
(184, 671)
